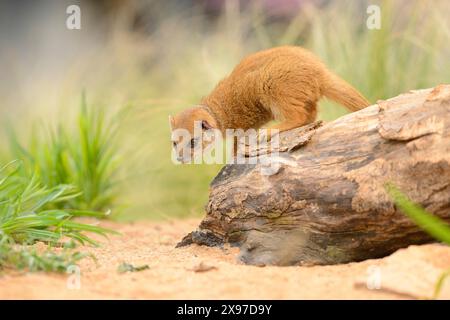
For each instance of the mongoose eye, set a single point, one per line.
(193, 143)
(174, 144)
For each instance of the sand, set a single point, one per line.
(212, 273)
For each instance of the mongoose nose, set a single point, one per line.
(180, 159)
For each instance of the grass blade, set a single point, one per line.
(428, 222)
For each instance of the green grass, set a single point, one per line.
(126, 267)
(61, 174)
(84, 156)
(32, 260)
(29, 213)
(433, 225)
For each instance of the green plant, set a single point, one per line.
(27, 215)
(127, 267)
(428, 222)
(28, 258)
(84, 157)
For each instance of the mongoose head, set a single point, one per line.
(187, 128)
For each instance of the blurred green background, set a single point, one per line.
(140, 61)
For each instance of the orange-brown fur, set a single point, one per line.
(283, 84)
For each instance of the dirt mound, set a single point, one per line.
(212, 273)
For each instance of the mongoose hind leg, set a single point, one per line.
(293, 116)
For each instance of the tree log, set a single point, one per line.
(327, 203)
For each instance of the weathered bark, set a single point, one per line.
(327, 203)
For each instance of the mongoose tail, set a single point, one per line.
(343, 93)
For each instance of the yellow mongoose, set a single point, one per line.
(283, 84)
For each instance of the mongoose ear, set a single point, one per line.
(206, 125)
(171, 121)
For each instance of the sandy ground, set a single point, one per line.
(174, 273)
